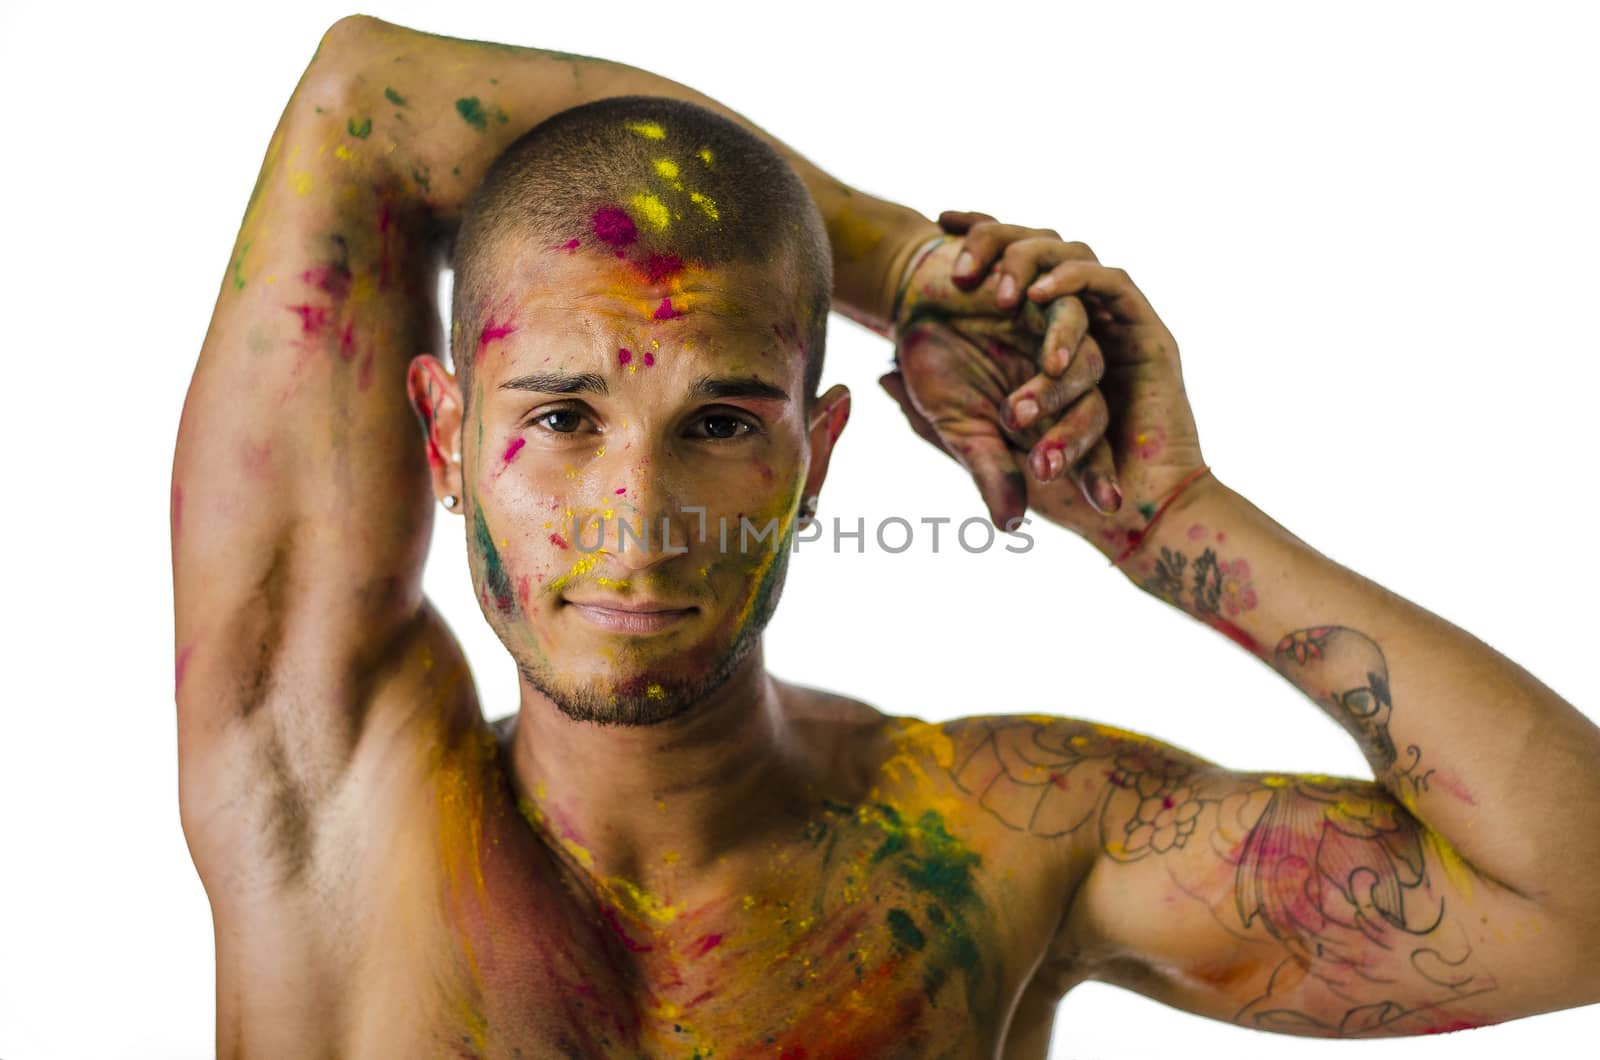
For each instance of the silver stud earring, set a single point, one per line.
(449, 501)
(808, 507)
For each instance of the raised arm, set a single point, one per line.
(301, 505)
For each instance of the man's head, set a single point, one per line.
(641, 292)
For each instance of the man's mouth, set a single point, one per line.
(631, 616)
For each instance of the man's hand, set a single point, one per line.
(1049, 359)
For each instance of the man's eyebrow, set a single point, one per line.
(558, 383)
(740, 386)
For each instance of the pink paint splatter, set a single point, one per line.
(571, 245)
(658, 267)
(649, 358)
(183, 664)
(522, 590)
(624, 355)
(627, 940)
(512, 449)
(664, 311)
(347, 341)
(313, 318)
(704, 945)
(614, 227)
(620, 490)
(558, 541)
(334, 279)
(491, 332)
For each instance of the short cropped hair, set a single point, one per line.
(660, 182)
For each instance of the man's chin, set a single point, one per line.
(633, 700)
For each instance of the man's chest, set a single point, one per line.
(886, 926)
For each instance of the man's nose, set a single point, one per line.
(648, 525)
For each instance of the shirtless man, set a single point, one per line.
(665, 852)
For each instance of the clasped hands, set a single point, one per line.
(1047, 375)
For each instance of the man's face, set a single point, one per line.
(607, 405)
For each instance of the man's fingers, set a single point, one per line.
(1097, 478)
(956, 222)
(1111, 289)
(1066, 332)
(1024, 259)
(983, 243)
(1039, 399)
(1070, 438)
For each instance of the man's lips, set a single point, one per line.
(631, 616)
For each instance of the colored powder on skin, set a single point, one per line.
(491, 332)
(905, 930)
(704, 154)
(653, 210)
(571, 245)
(335, 280)
(667, 168)
(499, 585)
(313, 318)
(649, 358)
(558, 541)
(182, 665)
(472, 113)
(852, 236)
(620, 490)
(347, 342)
(707, 205)
(614, 227)
(624, 355)
(394, 97)
(658, 267)
(648, 129)
(664, 311)
(512, 449)
(360, 129)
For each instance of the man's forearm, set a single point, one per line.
(431, 113)
(1470, 742)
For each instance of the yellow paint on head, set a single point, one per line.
(707, 206)
(705, 155)
(648, 129)
(652, 210)
(667, 168)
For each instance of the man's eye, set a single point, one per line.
(562, 421)
(724, 427)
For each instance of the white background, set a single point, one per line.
(1372, 228)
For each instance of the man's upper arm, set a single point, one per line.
(1305, 905)
(300, 500)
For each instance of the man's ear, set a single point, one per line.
(828, 417)
(437, 398)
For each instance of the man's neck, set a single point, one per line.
(661, 802)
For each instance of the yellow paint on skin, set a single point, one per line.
(667, 168)
(1456, 871)
(1275, 782)
(578, 569)
(705, 155)
(342, 153)
(648, 129)
(655, 691)
(652, 211)
(300, 181)
(852, 235)
(707, 206)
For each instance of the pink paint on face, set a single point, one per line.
(571, 245)
(624, 355)
(620, 490)
(491, 332)
(558, 541)
(664, 311)
(649, 358)
(614, 227)
(512, 449)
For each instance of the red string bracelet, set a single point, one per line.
(1136, 537)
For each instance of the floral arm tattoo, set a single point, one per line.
(1321, 882)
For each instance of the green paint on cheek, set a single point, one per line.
(499, 584)
(359, 129)
(238, 268)
(905, 930)
(394, 97)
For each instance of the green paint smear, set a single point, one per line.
(905, 930)
(238, 268)
(1147, 510)
(471, 112)
(360, 129)
(499, 584)
(394, 97)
